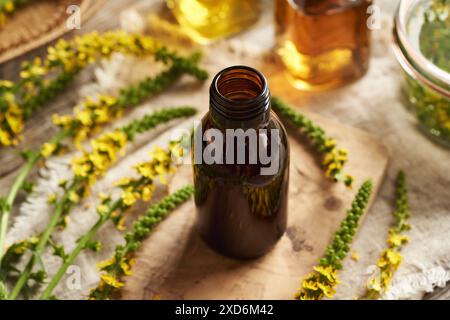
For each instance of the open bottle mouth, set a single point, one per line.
(239, 93)
(407, 49)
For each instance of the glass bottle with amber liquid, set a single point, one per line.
(323, 43)
(209, 20)
(241, 167)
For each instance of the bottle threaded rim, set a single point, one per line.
(239, 93)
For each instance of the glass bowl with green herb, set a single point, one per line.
(422, 47)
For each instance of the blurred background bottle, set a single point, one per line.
(323, 43)
(207, 20)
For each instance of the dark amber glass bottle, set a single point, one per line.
(241, 202)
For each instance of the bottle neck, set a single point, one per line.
(239, 98)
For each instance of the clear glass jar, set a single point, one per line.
(323, 43)
(208, 20)
(427, 86)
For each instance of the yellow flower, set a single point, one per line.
(160, 154)
(355, 256)
(331, 168)
(92, 165)
(51, 198)
(121, 224)
(330, 143)
(101, 115)
(99, 160)
(84, 117)
(20, 249)
(111, 280)
(81, 166)
(74, 197)
(63, 121)
(107, 263)
(103, 196)
(393, 257)
(382, 262)
(396, 240)
(328, 158)
(374, 284)
(9, 6)
(123, 182)
(66, 221)
(33, 240)
(146, 170)
(14, 119)
(102, 209)
(389, 258)
(126, 268)
(147, 192)
(129, 196)
(327, 290)
(328, 272)
(6, 84)
(48, 149)
(5, 138)
(309, 285)
(386, 276)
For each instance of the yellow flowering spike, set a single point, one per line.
(318, 284)
(111, 281)
(64, 60)
(104, 150)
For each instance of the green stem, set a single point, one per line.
(17, 184)
(43, 240)
(75, 252)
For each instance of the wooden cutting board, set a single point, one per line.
(38, 23)
(174, 263)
